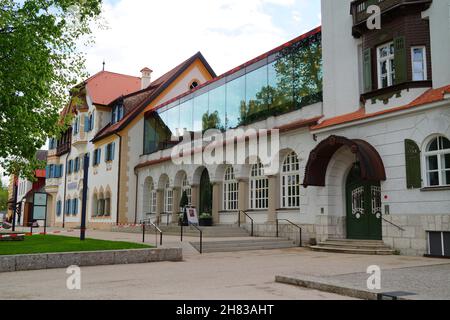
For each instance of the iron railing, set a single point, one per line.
(148, 222)
(293, 224)
(393, 224)
(199, 230)
(251, 220)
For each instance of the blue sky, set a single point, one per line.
(161, 34)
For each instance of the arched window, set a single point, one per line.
(290, 182)
(168, 198)
(108, 204)
(149, 191)
(101, 205)
(259, 188)
(58, 208)
(230, 190)
(437, 162)
(186, 187)
(95, 206)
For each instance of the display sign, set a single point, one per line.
(40, 199)
(192, 216)
(40, 206)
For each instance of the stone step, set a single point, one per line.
(354, 245)
(244, 245)
(353, 251)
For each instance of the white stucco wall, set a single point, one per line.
(341, 84)
(439, 16)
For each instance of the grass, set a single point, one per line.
(53, 244)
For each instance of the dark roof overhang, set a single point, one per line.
(372, 167)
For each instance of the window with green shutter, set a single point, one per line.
(413, 168)
(400, 60)
(367, 70)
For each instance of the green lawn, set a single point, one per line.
(51, 244)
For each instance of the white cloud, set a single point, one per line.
(161, 34)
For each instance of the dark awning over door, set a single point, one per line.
(372, 167)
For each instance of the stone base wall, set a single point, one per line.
(330, 227)
(285, 231)
(413, 241)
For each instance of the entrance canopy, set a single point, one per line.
(372, 167)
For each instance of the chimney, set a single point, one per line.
(146, 77)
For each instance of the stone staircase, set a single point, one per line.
(244, 245)
(220, 231)
(369, 247)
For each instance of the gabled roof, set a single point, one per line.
(104, 87)
(430, 96)
(136, 102)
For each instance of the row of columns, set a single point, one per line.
(217, 194)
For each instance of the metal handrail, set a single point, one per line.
(398, 227)
(295, 225)
(158, 230)
(198, 229)
(247, 215)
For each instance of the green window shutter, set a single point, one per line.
(400, 60)
(367, 70)
(413, 170)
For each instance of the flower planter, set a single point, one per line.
(205, 222)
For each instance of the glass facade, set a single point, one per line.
(280, 83)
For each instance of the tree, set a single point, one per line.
(39, 62)
(3, 198)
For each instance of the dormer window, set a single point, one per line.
(117, 113)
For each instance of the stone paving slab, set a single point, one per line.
(423, 282)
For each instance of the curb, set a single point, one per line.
(58, 260)
(316, 284)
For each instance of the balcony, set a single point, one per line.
(79, 138)
(62, 149)
(388, 7)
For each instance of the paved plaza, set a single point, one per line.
(237, 275)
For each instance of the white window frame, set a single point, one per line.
(168, 199)
(230, 191)
(440, 153)
(425, 69)
(290, 171)
(259, 188)
(390, 66)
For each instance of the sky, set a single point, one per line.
(162, 34)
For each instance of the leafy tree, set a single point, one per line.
(3, 197)
(39, 61)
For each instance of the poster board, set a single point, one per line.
(192, 215)
(40, 206)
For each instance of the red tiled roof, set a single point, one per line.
(104, 87)
(138, 101)
(430, 96)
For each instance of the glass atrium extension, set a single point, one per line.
(282, 82)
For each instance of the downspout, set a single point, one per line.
(118, 178)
